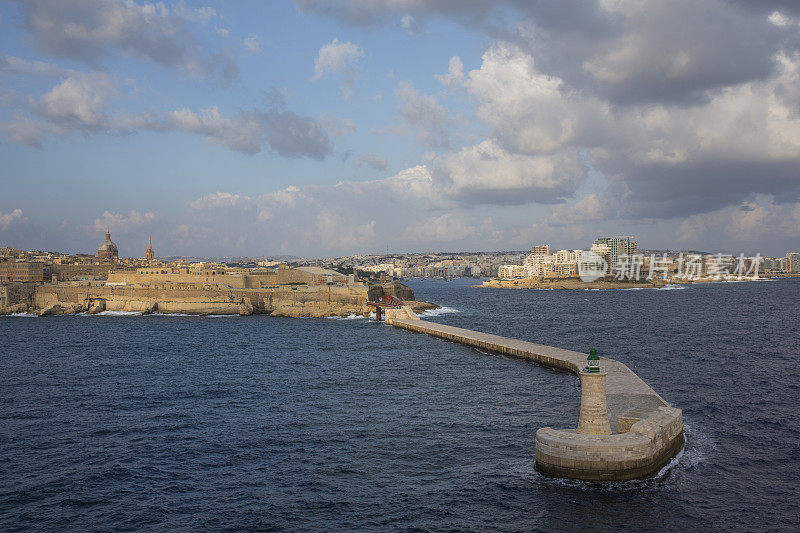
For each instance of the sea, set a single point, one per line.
(181, 423)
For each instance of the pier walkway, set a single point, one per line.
(646, 430)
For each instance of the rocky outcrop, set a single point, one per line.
(135, 306)
(53, 310)
(307, 312)
(15, 308)
(418, 306)
(245, 308)
(96, 307)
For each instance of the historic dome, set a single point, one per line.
(108, 250)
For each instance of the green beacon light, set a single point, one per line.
(592, 362)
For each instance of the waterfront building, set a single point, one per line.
(542, 269)
(24, 271)
(792, 262)
(565, 269)
(541, 249)
(561, 256)
(618, 247)
(512, 271)
(107, 249)
(603, 250)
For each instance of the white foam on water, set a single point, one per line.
(441, 311)
(22, 315)
(118, 313)
(214, 316)
(351, 317)
(671, 288)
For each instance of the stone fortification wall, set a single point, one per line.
(404, 292)
(16, 297)
(233, 278)
(204, 298)
(197, 297)
(155, 276)
(71, 271)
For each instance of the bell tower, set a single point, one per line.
(149, 254)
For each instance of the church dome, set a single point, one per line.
(108, 250)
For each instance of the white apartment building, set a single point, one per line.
(793, 262)
(512, 271)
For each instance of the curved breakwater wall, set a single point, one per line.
(646, 432)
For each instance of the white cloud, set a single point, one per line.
(281, 130)
(77, 102)
(590, 208)
(28, 132)
(17, 65)
(338, 58)
(221, 199)
(252, 45)
(13, 217)
(455, 74)
(87, 30)
(409, 25)
(337, 231)
(752, 221)
(487, 174)
(122, 223)
(652, 153)
(424, 113)
(449, 227)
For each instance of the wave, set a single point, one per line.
(348, 317)
(22, 315)
(118, 313)
(670, 287)
(441, 311)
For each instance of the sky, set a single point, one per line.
(324, 128)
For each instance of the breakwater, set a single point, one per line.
(644, 431)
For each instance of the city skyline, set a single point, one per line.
(323, 129)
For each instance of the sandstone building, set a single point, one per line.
(108, 250)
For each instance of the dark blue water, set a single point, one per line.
(186, 423)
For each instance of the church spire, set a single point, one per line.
(149, 254)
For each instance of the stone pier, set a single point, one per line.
(626, 433)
